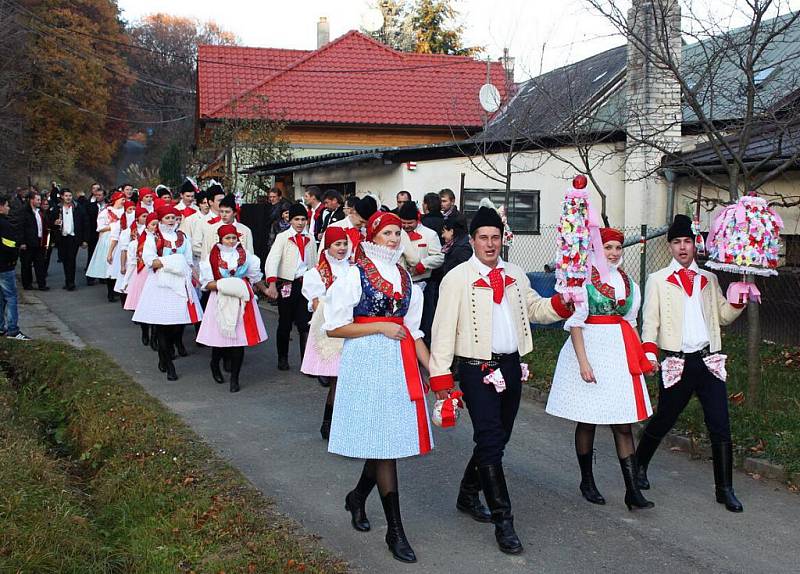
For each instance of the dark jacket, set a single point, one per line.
(433, 220)
(460, 252)
(9, 251)
(453, 214)
(79, 222)
(92, 212)
(29, 235)
(332, 217)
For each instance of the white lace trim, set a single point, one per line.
(382, 254)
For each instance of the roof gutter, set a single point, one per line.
(314, 165)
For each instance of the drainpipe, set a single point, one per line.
(671, 178)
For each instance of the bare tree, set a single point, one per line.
(738, 88)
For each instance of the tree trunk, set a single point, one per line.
(753, 347)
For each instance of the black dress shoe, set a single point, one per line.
(234, 388)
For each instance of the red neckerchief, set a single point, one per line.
(161, 243)
(607, 290)
(354, 235)
(301, 244)
(186, 212)
(378, 282)
(217, 262)
(687, 279)
(139, 249)
(325, 270)
(214, 220)
(414, 235)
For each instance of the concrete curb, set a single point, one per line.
(694, 448)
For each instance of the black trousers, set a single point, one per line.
(68, 252)
(430, 298)
(492, 413)
(33, 261)
(711, 392)
(292, 310)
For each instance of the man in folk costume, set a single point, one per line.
(292, 254)
(191, 225)
(429, 248)
(227, 216)
(683, 311)
(186, 206)
(483, 316)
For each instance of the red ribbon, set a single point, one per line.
(638, 363)
(413, 379)
(449, 409)
(249, 318)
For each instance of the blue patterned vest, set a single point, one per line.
(375, 303)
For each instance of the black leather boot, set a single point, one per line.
(469, 500)
(145, 333)
(493, 482)
(644, 452)
(171, 374)
(325, 429)
(237, 359)
(283, 363)
(395, 535)
(633, 496)
(588, 487)
(216, 373)
(153, 338)
(723, 476)
(354, 503)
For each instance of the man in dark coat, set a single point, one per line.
(33, 243)
(334, 208)
(97, 202)
(448, 204)
(68, 225)
(432, 209)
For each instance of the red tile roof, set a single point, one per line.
(351, 80)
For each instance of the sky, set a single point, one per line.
(540, 34)
(566, 28)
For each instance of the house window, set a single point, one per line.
(523, 217)
(761, 76)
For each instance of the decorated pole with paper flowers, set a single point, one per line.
(745, 238)
(578, 236)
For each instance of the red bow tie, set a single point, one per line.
(687, 280)
(497, 284)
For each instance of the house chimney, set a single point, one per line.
(653, 103)
(323, 32)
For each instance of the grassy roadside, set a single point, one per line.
(148, 494)
(768, 427)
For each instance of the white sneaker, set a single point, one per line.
(20, 337)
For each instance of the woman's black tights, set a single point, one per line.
(382, 472)
(623, 439)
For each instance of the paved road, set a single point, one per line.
(270, 432)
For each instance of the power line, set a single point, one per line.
(107, 116)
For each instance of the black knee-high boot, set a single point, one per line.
(587, 487)
(327, 416)
(723, 476)
(165, 340)
(469, 500)
(179, 340)
(644, 452)
(493, 482)
(237, 358)
(145, 333)
(356, 499)
(112, 295)
(395, 534)
(154, 337)
(216, 357)
(633, 494)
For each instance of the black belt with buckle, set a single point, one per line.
(492, 363)
(704, 352)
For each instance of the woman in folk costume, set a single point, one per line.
(137, 272)
(232, 320)
(121, 233)
(168, 299)
(118, 229)
(322, 353)
(98, 266)
(599, 374)
(380, 413)
(147, 198)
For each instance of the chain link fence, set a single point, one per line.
(780, 296)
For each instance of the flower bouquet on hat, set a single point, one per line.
(745, 238)
(578, 235)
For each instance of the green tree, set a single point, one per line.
(171, 166)
(437, 30)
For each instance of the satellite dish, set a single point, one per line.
(489, 97)
(372, 20)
